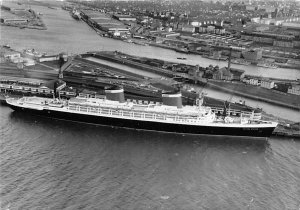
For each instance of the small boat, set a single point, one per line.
(75, 14)
(182, 50)
(241, 62)
(6, 46)
(128, 40)
(181, 58)
(267, 65)
(217, 58)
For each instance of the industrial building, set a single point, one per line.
(10, 18)
(228, 74)
(124, 17)
(103, 22)
(295, 89)
(252, 55)
(279, 40)
(225, 39)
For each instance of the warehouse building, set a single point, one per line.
(103, 22)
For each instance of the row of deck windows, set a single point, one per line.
(125, 113)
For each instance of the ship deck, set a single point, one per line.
(127, 113)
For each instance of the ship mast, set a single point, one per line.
(227, 104)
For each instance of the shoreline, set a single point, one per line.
(175, 48)
(260, 94)
(24, 27)
(250, 96)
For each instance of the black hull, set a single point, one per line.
(152, 126)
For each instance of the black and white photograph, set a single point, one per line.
(150, 104)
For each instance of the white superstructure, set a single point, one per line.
(154, 112)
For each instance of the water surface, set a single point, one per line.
(53, 164)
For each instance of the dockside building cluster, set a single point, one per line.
(103, 22)
(277, 40)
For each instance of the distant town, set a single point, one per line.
(257, 32)
(266, 34)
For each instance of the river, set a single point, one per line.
(73, 37)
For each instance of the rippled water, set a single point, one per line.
(53, 164)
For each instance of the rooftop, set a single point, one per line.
(25, 80)
(123, 16)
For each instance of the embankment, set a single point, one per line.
(257, 93)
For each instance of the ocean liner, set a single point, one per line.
(168, 116)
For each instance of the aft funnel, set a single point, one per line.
(172, 99)
(115, 93)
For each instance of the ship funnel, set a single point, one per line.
(172, 99)
(115, 93)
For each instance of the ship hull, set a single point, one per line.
(150, 125)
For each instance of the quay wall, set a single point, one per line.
(107, 66)
(255, 97)
(133, 64)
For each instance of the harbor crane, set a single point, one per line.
(227, 102)
(63, 66)
(58, 84)
(230, 52)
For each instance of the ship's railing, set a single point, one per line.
(137, 114)
(237, 112)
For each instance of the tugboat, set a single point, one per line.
(6, 46)
(168, 116)
(75, 14)
(240, 62)
(182, 50)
